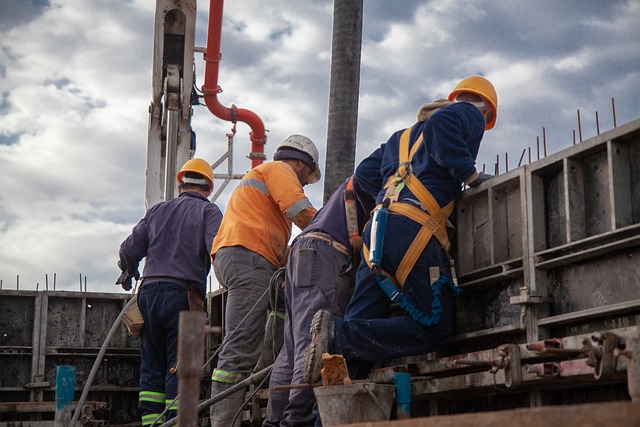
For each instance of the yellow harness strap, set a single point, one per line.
(434, 221)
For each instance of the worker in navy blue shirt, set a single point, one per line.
(420, 171)
(175, 237)
(319, 275)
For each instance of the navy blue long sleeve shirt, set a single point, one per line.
(446, 158)
(176, 237)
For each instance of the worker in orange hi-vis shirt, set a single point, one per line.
(248, 249)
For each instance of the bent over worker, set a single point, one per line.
(319, 275)
(175, 237)
(247, 251)
(422, 170)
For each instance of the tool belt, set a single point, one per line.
(196, 301)
(132, 318)
(328, 239)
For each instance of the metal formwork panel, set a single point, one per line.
(40, 331)
(547, 255)
(553, 238)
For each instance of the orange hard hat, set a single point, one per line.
(481, 87)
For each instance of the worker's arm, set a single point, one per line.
(302, 219)
(286, 190)
(454, 136)
(368, 178)
(132, 250)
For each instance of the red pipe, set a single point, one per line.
(211, 88)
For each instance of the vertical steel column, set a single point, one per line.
(344, 89)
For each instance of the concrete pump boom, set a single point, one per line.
(171, 141)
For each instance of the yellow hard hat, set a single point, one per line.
(198, 166)
(481, 87)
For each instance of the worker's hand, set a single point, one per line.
(482, 177)
(125, 280)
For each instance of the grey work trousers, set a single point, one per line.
(318, 277)
(246, 276)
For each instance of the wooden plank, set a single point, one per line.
(619, 414)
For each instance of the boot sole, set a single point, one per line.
(312, 363)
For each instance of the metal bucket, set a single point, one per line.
(354, 403)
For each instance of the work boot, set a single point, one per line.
(224, 411)
(321, 342)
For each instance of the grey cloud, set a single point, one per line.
(10, 139)
(548, 59)
(14, 13)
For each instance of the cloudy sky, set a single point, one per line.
(75, 87)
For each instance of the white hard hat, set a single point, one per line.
(301, 148)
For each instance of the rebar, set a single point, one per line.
(579, 126)
(524, 151)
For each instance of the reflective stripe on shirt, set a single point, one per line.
(255, 183)
(298, 207)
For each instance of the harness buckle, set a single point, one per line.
(408, 170)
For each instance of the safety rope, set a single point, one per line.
(436, 304)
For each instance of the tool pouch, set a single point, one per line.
(133, 319)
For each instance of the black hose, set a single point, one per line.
(98, 360)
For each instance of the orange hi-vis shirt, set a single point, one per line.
(261, 210)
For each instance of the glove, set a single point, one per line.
(482, 177)
(125, 279)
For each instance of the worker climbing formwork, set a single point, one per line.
(408, 253)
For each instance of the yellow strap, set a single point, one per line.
(411, 256)
(423, 218)
(433, 221)
(405, 155)
(429, 228)
(365, 252)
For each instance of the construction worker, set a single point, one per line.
(421, 171)
(176, 237)
(319, 275)
(247, 251)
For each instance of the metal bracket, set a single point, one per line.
(512, 368)
(526, 298)
(602, 357)
(509, 361)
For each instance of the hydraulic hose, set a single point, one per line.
(98, 360)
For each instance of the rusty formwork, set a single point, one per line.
(40, 330)
(549, 314)
(549, 264)
(547, 256)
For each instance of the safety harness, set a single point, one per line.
(434, 223)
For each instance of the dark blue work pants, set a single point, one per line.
(160, 304)
(366, 333)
